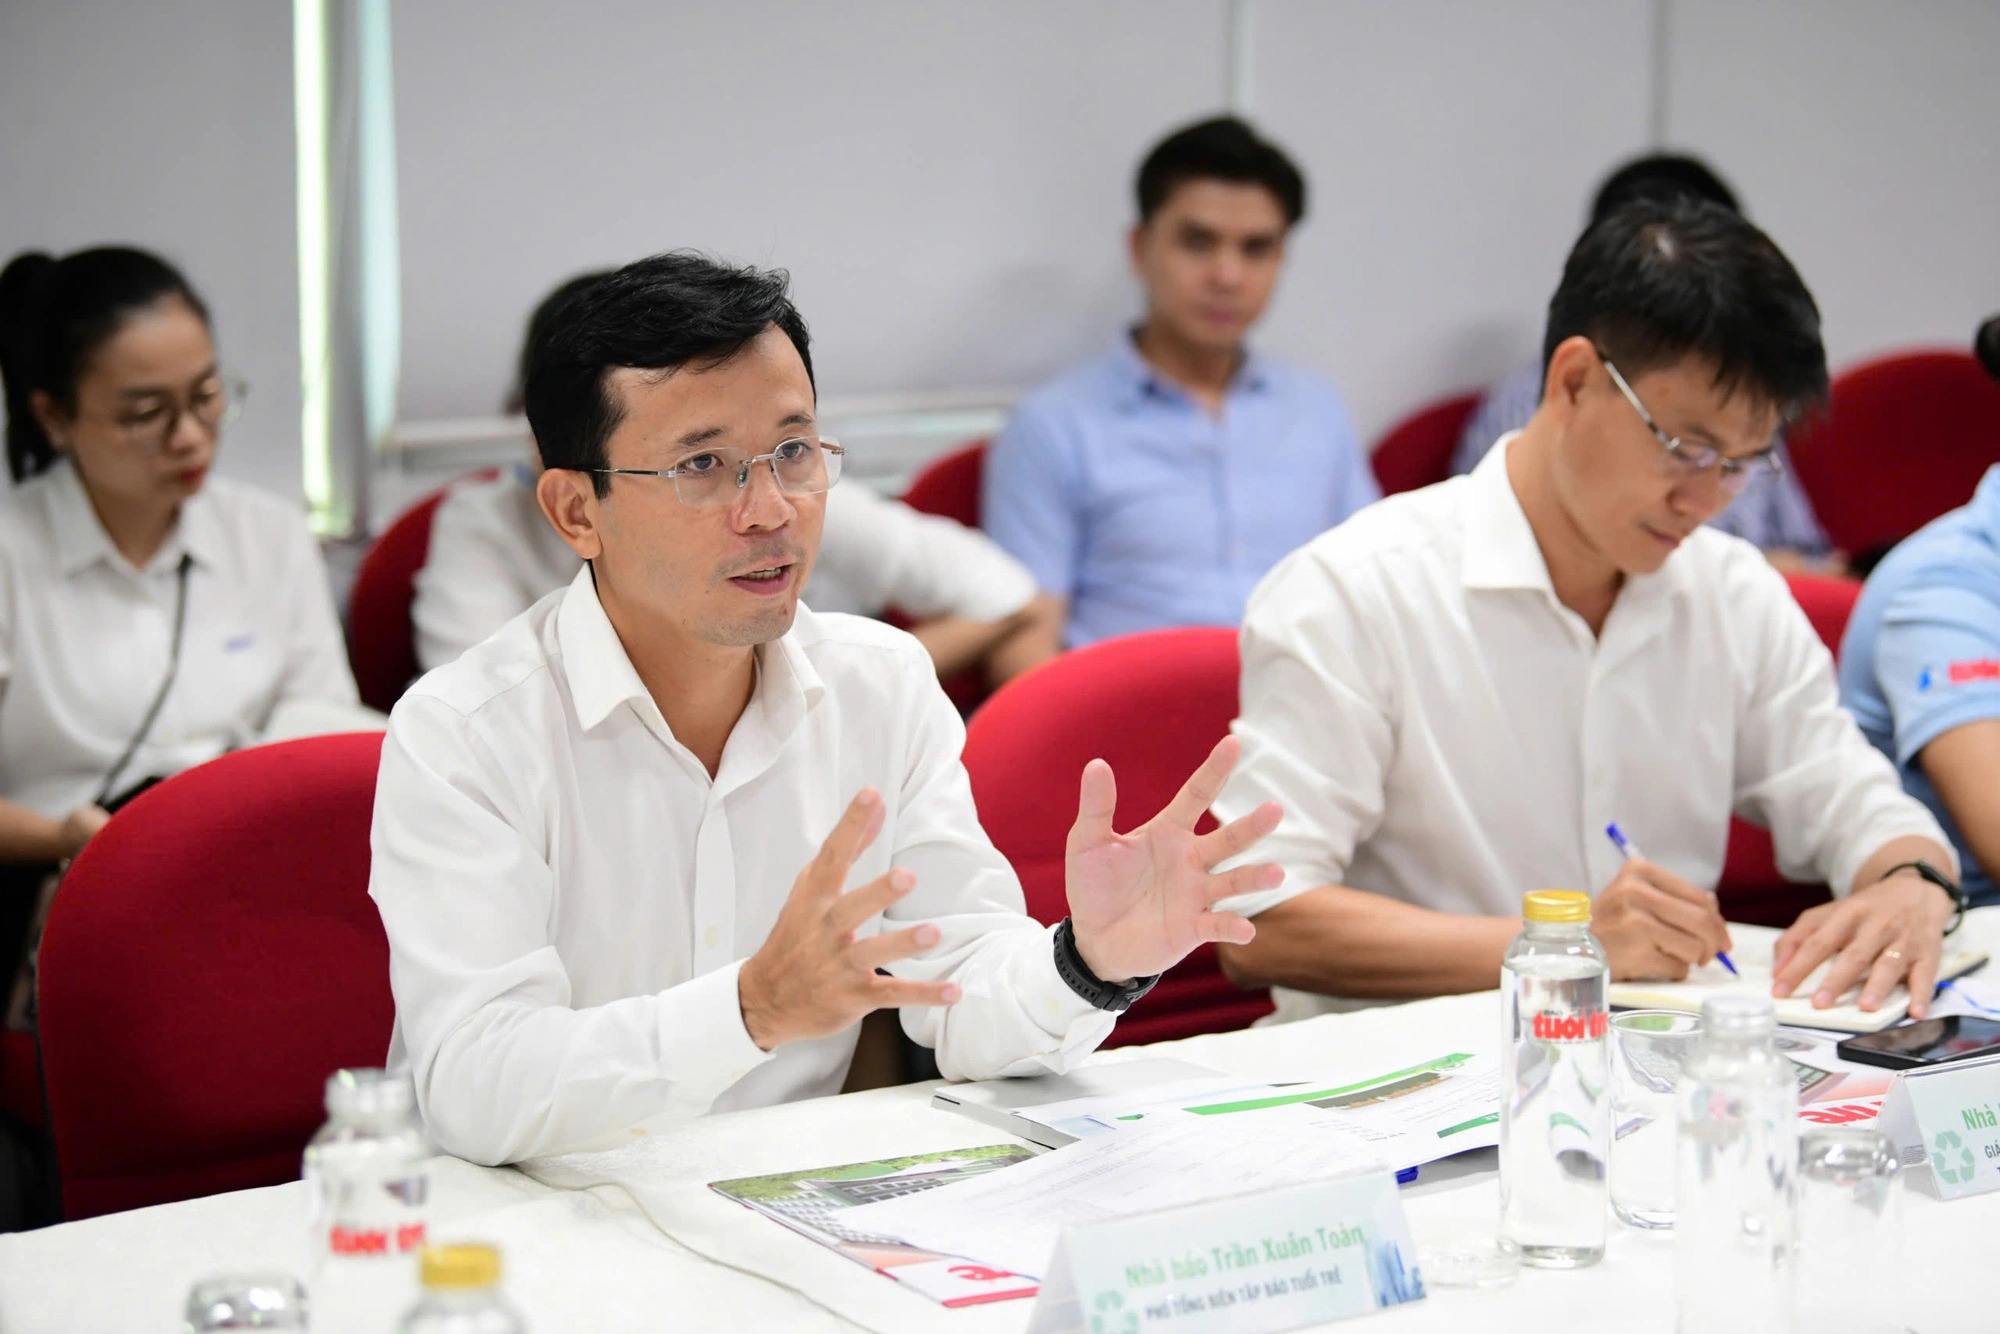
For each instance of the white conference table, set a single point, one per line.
(632, 1239)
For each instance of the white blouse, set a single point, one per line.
(85, 637)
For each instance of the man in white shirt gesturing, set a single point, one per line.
(1457, 690)
(655, 848)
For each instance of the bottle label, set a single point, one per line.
(1576, 1026)
(375, 1240)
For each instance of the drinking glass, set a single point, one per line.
(269, 1300)
(1849, 1207)
(1648, 1049)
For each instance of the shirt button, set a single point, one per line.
(711, 938)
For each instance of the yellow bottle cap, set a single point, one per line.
(1556, 905)
(461, 1266)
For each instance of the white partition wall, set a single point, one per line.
(1452, 149)
(169, 126)
(1866, 138)
(948, 183)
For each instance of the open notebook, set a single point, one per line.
(1752, 956)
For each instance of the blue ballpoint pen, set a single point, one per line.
(1630, 851)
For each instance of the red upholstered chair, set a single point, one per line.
(381, 642)
(1151, 704)
(1417, 450)
(1751, 888)
(949, 485)
(1903, 439)
(211, 958)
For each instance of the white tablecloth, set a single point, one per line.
(632, 1238)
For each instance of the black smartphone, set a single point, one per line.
(1927, 1042)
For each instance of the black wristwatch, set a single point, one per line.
(1104, 995)
(1959, 898)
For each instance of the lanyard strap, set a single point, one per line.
(160, 697)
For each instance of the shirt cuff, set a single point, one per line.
(1052, 1002)
(702, 1037)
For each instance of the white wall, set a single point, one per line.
(169, 126)
(1451, 150)
(1866, 138)
(947, 182)
(950, 182)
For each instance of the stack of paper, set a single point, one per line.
(1013, 1216)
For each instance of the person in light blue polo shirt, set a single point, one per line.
(1920, 671)
(1155, 485)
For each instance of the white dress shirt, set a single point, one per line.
(1443, 731)
(568, 895)
(85, 637)
(493, 553)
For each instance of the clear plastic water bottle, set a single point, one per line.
(1555, 1109)
(462, 1295)
(368, 1194)
(1735, 1184)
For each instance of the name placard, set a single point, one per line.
(1948, 1117)
(1247, 1264)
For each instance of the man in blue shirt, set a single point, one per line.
(1773, 512)
(1920, 671)
(1155, 485)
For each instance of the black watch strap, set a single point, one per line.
(1959, 898)
(1076, 973)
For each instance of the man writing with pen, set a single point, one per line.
(1456, 692)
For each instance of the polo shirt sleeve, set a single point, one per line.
(506, 1067)
(1937, 661)
(1803, 768)
(1317, 727)
(1031, 496)
(1016, 1015)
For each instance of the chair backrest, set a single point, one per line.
(381, 641)
(949, 485)
(1417, 450)
(1751, 887)
(211, 958)
(1903, 439)
(1151, 704)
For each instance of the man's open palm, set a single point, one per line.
(1141, 902)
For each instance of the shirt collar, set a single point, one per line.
(1135, 380)
(602, 677)
(1500, 546)
(1501, 552)
(80, 539)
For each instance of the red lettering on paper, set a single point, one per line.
(1839, 1114)
(980, 1273)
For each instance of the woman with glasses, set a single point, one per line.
(151, 616)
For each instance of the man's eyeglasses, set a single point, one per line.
(1688, 460)
(213, 406)
(803, 466)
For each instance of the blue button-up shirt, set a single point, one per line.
(1922, 651)
(1772, 512)
(1145, 510)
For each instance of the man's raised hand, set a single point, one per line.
(812, 975)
